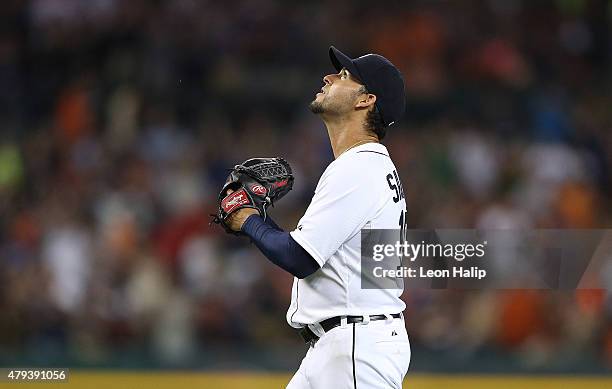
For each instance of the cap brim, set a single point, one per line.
(341, 60)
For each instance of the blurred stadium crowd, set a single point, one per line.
(118, 120)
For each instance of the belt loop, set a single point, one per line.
(343, 321)
(388, 318)
(366, 320)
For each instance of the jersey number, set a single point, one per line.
(403, 223)
(403, 238)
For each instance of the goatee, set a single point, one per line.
(316, 107)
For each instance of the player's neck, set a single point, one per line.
(343, 136)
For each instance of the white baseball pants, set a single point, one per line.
(356, 356)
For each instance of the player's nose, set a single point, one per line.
(328, 79)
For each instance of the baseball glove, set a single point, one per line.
(256, 183)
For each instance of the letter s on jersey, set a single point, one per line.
(396, 186)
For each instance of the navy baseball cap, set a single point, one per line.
(380, 77)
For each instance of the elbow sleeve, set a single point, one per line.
(279, 247)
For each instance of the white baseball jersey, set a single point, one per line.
(359, 189)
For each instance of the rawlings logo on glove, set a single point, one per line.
(259, 190)
(234, 200)
(256, 183)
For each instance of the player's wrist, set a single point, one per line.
(246, 214)
(251, 225)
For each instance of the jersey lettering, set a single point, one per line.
(395, 185)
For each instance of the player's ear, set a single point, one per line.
(365, 100)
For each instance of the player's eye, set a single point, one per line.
(344, 74)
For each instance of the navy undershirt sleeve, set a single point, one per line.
(279, 247)
(271, 222)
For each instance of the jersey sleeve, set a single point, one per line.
(341, 206)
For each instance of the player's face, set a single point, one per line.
(338, 95)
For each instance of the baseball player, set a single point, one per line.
(357, 336)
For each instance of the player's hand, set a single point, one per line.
(238, 217)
